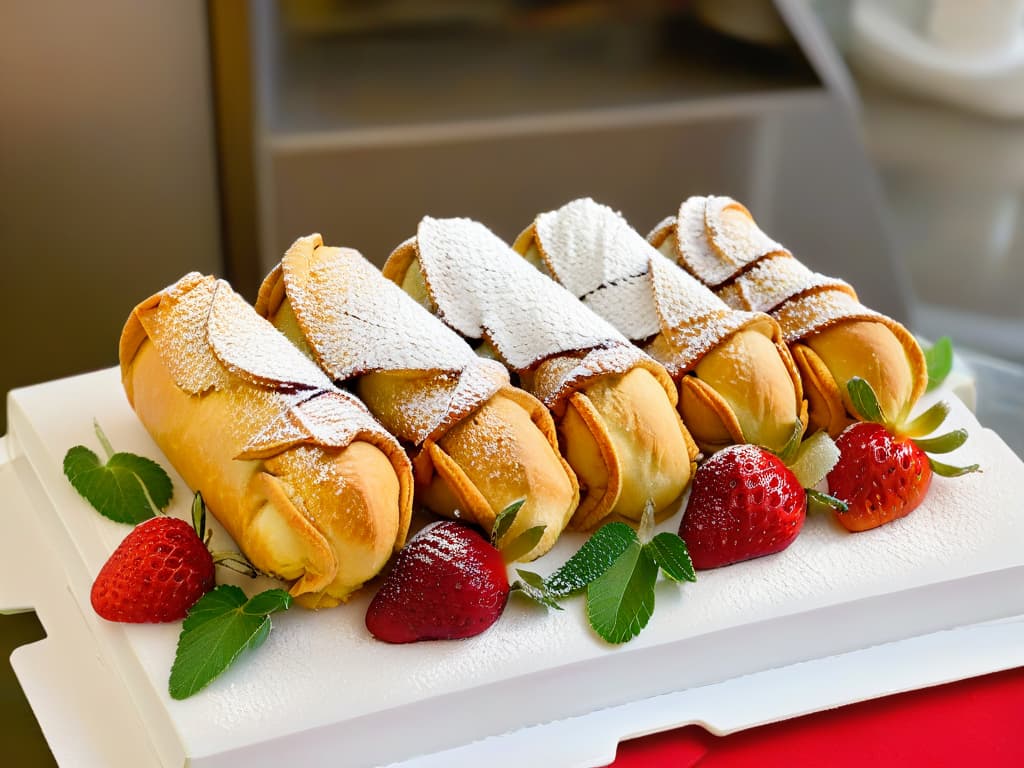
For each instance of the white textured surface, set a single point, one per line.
(836, 590)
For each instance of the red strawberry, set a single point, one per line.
(448, 582)
(744, 503)
(880, 476)
(156, 574)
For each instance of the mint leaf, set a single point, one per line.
(216, 631)
(620, 601)
(670, 553)
(789, 451)
(939, 361)
(532, 586)
(595, 557)
(127, 488)
(522, 543)
(504, 521)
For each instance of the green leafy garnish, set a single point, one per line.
(504, 521)
(789, 451)
(532, 585)
(670, 553)
(218, 628)
(594, 558)
(947, 470)
(939, 360)
(865, 402)
(127, 488)
(928, 421)
(621, 600)
(618, 569)
(943, 443)
(525, 541)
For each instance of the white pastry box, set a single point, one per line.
(835, 618)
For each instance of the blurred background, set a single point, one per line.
(882, 141)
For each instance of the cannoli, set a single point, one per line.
(737, 381)
(832, 336)
(613, 405)
(479, 444)
(311, 488)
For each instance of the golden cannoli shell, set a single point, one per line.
(494, 457)
(324, 517)
(480, 443)
(628, 446)
(604, 434)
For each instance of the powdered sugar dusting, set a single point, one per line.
(624, 279)
(482, 288)
(558, 377)
(801, 301)
(178, 329)
(813, 312)
(694, 321)
(226, 344)
(693, 250)
(251, 348)
(598, 257)
(734, 235)
(774, 280)
(358, 322)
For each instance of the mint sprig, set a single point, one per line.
(619, 570)
(126, 488)
(523, 543)
(218, 628)
(620, 601)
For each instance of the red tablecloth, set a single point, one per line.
(977, 722)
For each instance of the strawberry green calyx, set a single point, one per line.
(810, 461)
(867, 406)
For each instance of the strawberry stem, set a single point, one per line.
(238, 563)
(107, 447)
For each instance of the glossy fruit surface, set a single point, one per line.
(881, 477)
(448, 582)
(745, 503)
(155, 575)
